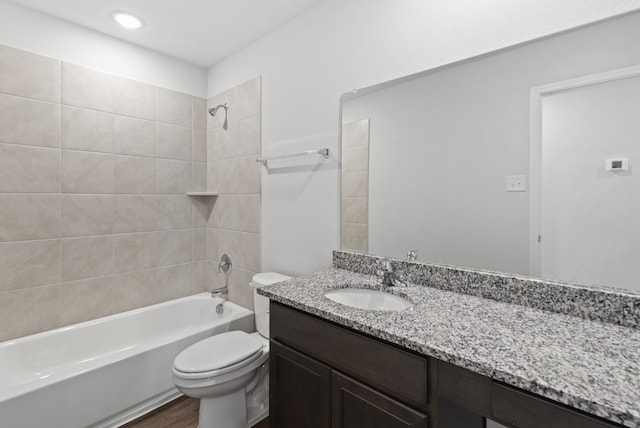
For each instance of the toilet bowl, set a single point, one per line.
(224, 369)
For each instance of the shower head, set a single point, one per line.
(214, 110)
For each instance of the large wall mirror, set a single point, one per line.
(438, 165)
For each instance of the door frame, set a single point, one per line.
(535, 147)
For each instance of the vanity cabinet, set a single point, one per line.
(324, 375)
(327, 376)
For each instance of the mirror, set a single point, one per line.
(439, 163)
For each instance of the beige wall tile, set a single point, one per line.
(239, 290)
(355, 159)
(134, 213)
(135, 137)
(247, 99)
(26, 169)
(240, 175)
(236, 212)
(173, 247)
(25, 217)
(355, 185)
(240, 140)
(83, 87)
(202, 208)
(86, 172)
(354, 237)
(29, 264)
(199, 145)
(29, 75)
(29, 122)
(135, 175)
(173, 282)
(173, 177)
(174, 107)
(134, 251)
(199, 244)
(88, 130)
(199, 176)
(199, 113)
(173, 142)
(355, 133)
(87, 215)
(29, 311)
(355, 210)
(134, 290)
(244, 248)
(86, 300)
(84, 258)
(174, 212)
(202, 273)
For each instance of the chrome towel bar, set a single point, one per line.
(324, 152)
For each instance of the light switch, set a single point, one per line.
(516, 183)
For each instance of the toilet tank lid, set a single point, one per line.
(267, 278)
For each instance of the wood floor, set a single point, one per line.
(180, 413)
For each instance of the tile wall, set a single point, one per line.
(94, 169)
(355, 186)
(232, 171)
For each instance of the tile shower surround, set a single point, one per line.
(93, 174)
(232, 171)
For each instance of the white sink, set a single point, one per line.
(373, 300)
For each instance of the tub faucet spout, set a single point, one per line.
(219, 291)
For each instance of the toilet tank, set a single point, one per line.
(261, 303)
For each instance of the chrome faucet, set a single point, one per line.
(389, 276)
(224, 266)
(219, 291)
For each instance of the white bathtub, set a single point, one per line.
(106, 372)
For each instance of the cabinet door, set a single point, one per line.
(355, 405)
(299, 390)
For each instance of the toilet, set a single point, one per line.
(228, 372)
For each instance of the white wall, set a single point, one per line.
(584, 206)
(344, 44)
(31, 31)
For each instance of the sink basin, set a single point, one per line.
(373, 300)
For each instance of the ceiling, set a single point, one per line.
(201, 32)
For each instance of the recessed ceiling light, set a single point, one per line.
(127, 20)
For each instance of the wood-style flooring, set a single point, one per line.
(179, 413)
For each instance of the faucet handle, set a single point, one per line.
(225, 264)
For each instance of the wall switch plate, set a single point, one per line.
(516, 183)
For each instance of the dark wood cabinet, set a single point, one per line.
(355, 405)
(325, 375)
(300, 390)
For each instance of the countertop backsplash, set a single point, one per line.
(608, 305)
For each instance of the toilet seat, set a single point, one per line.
(218, 355)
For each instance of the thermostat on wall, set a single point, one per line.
(617, 164)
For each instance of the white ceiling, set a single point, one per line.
(201, 32)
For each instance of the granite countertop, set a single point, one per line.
(588, 365)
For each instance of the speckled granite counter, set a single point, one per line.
(588, 365)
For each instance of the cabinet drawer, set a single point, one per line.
(521, 410)
(387, 368)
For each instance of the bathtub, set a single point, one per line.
(108, 371)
